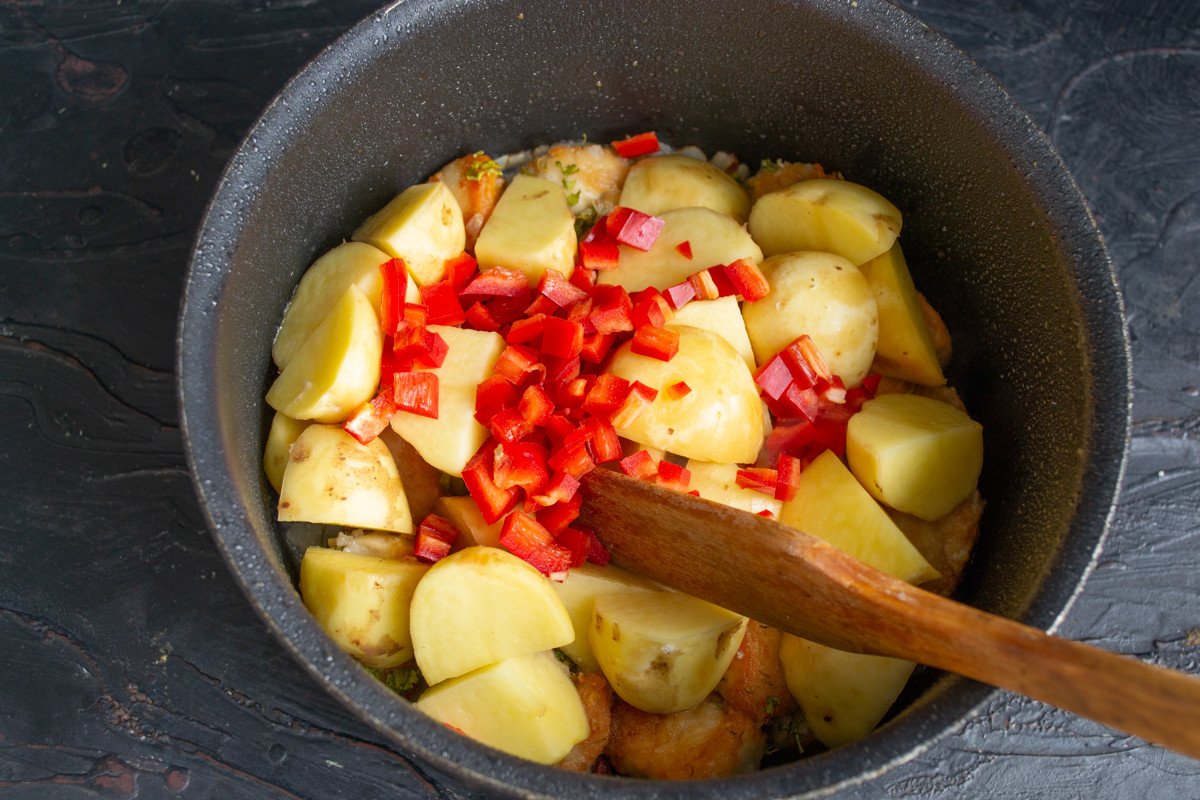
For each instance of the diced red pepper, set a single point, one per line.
(507, 425)
(571, 395)
(506, 310)
(606, 445)
(520, 464)
(856, 397)
(794, 437)
(634, 228)
(389, 365)
(493, 394)
(639, 399)
(575, 461)
(428, 349)
(525, 331)
(435, 535)
(660, 343)
(576, 543)
(831, 435)
(685, 249)
(638, 145)
(391, 298)
(558, 428)
(541, 305)
(600, 254)
(563, 488)
(611, 309)
(370, 418)
(498, 282)
(558, 290)
(599, 230)
(536, 406)
(639, 465)
(518, 364)
(414, 318)
(725, 287)
(747, 279)
(834, 390)
(493, 501)
(650, 308)
(805, 360)
(416, 393)
(704, 285)
(606, 396)
(801, 402)
(526, 539)
(871, 382)
(677, 390)
(560, 371)
(596, 347)
(766, 512)
(583, 278)
(562, 338)
(680, 294)
(760, 479)
(773, 377)
(673, 476)
(480, 318)
(597, 552)
(459, 271)
(442, 301)
(787, 471)
(556, 517)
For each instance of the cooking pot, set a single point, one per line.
(995, 230)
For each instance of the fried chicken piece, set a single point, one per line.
(937, 331)
(597, 697)
(945, 543)
(781, 174)
(476, 182)
(754, 684)
(592, 175)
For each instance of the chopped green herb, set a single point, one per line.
(481, 168)
(772, 704)
(584, 221)
(572, 198)
(399, 680)
(567, 169)
(768, 165)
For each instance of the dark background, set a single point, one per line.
(130, 663)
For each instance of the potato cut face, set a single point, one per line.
(422, 225)
(830, 504)
(664, 183)
(337, 367)
(843, 695)
(720, 419)
(915, 454)
(663, 651)
(284, 430)
(828, 215)
(333, 479)
(465, 516)
(525, 706)
(824, 296)
(482, 605)
(532, 229)
(449, 441)
(362, 602)
(723, 317)
(579, 591)
(905, 349)
(718, 483)
(714, 238)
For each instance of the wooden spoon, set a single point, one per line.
(791, 580)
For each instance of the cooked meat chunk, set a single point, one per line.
(937, 331)
(597, 697)
(476, 182)
(754, 684)
(945, 543)
(592, 175)
(777, 175)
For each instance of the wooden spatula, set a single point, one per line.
(798, 583)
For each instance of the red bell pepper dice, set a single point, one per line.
(607, 395)
(660, 343)
(391, 299)
(427, 349)
(684, 249)
(760, 479)
(562, 338)
(680, 294)
(560, 291)
(459, 271)
(606, 445)
(677, 390)
(611, 310)
(370, 418)
(518, 365)
(442, 301)
(747, 279)
(520, 464)
(562, 513)
(599, 254)
(563, 488)
(805, 360)
(525, 538)
(493, 394)
(497, 282)
(871, 383)
(435, 536)
(596, 347)
(787, 469)
(704, 285)
(634, 228)
(650, 308)
(535, 406)
(416, 393)
(527, 331)
(639, 465)
(479, 317)
(638, 145)
(493, 502)
(597, 552)
(673, 476)
(639, 399)
(575, 543)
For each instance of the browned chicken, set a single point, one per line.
(754, 684)
(937, 330)
(946, 543)
(597, 697)
(777, 175)
(476, 182)
(592, 175)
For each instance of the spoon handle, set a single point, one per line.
(796, 582)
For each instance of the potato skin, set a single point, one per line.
(663, 183)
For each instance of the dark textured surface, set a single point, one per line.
(130, 662)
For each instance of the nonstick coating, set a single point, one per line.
(996, 233)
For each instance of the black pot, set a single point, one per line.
(996, 233)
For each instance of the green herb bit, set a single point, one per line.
(480, 169)
(584, 221)
(572, 198)
(399, 680)
(768, 165)
(772, 704)
(567, 169)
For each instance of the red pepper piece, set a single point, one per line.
(600, 254)
(391, 298)
(389, 365)
(793, 437)
(680, 294)
(520, 464)
(833, 391)
(555, 518)
(497, 282)
(442, 301)
(558, 428)
(606, 445)
(561, 371)
(526, 539)
(562, 338)
(801, 402)
(527, 331)
(459, 271)
(541, 305)
(766, 512)
(576, 543)
(773, 378)
(677, 390)
(639, 399)
(369, 419)
(583, 278)
(650, 308)
(560, 291)
(596, 347)
(638, 145)
(428, 350)
(518, 364)
(414, 318)
(856, 397)
(493, 394)
(435, 536)
(536, 406)
(571, 395)
(704, 285)
(805, 361)
(611, 309)
(493, 502)
(597, 552)
(563, 488)
(639, 465)
(479, 318)
(606, 396)
(416, 393)
(673, 476)
(720, 279)
(615, 221)
(660, 343)
(685, 249)
(831, 435)
(747, 279)
(634, 228)
(507, 425)
(787, 469)
(507, 310)
(760, 479)
(871, 383)
(574, 460)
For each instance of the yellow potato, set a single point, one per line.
(449, 441)
(525, 706)
(718, 483)
(663, 651)
(664, 183)
(843, 695)
(723, 317)
(715, 238)
(333, 479)
(362, 602)
(422, 225)
(422, 481)
(482, 605)
(284, 430)
(830, 504)
(532, 229)
(905, 349)
(824, 214)
(465, 516)
(579, 592)
(824, 296)
(720, 419)
(915, 454)
(337, 367)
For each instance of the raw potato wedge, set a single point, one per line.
(665, 183)
(714, 238)
(720, 419)
(465, 516)
(905, 349)
(718, 483)
(531, 229)
(337, 367)
(843, 695)
(830, 504)
(526, 706)
(284, 430)
(579, 592)
(422, 225)
(723, 317)
(449, 441)
(323, 284)
(482, 605)
(333, 479)
(824, 296)
(362, 602)
(915, 454)
(829, 215)
(663, 651)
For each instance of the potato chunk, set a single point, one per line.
(579, 592)
(472, 529)
(422, 225)
(824, 296)
(831, 505)
(482, 605)
(663, 651)
(284, 430)
(525, 706)
(590, 174)
(476, 182)
(905, 349)
(723, 317)
(718, 483)
(337, 367)
(915, 454)
(362, 602)
(832, 216)
(531, 229)
(333, 479)
(720, 419)
(664, 183)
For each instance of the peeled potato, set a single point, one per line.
(465, 516)
(337, 367)
(284, 430)
(830, 504)
(905, 349)
(821, 295)
(531, 229)
(479, 606)
(664, 183)
(663, 651)
(829, 215)
(915, 454)
(332, 478)
(422, 225)
(579, 591)
(714, 238)
(843, 695)
(526, 706)
(362, 602)
(718, 483)
(723, 317)
(720, 419)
